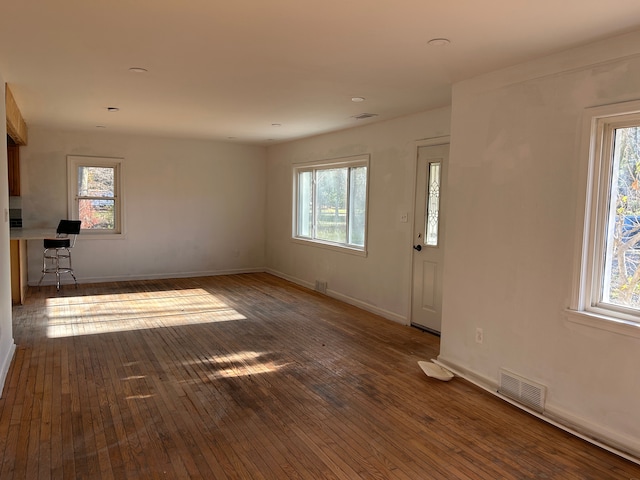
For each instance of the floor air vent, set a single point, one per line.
(522, 390)
(321, 287)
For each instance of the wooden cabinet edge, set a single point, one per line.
(18, 255)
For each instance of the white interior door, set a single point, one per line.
(428, 240)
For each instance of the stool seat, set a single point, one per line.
(57, 242)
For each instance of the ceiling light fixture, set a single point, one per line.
(357, 99)
(439, 42)
(276, 124)
(138, 70)
(101, 126)
(113, 109)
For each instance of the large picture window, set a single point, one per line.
(95, 193)
(330, 204)
(609, 277)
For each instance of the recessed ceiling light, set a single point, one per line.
(439, 42)
(357, 99)
(113, 109)
(276, 124)
(101, 126)
(138, 70)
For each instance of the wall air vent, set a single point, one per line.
(526, 392)
(362, 116)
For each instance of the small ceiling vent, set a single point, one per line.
(362, 116)
(522, 390)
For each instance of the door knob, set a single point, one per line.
(418, 247)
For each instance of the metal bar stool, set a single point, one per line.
(56, 257)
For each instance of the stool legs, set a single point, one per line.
(53, 256)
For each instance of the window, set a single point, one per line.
(95, 195)
(330, 205)
(609, 277)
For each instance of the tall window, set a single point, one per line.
(610, 271)
(95, 195)
(331, 202)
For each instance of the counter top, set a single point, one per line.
(32, 233)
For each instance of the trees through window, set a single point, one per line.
(95, 193)
(331, 202)
(609, 277)
(620, 272)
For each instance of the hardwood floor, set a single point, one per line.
(251, 377)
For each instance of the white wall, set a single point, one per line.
(514, 203)
(7, 347)
(379, 282)
(191, 207)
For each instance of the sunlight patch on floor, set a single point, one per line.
(241, 364)
(97, 314)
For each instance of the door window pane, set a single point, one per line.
(433, 204)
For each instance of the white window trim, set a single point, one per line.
(595, 179)
(73, 161)
(352, 161)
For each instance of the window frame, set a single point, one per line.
(597, 148)
(345, 162)
(76, 161)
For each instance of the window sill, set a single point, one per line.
(603, 322)
(84, 235)
(330, 246)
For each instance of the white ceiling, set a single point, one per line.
(233, 69)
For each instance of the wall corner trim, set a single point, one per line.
(5, 364)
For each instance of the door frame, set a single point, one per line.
(423, 142)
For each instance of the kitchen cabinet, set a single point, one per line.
(13, 159)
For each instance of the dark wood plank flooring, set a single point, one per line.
(252, 377)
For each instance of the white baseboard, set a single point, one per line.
(613, 442)
(345, 298)
(153, 276)
(594, 431)
(291, 279)
(4, 366)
